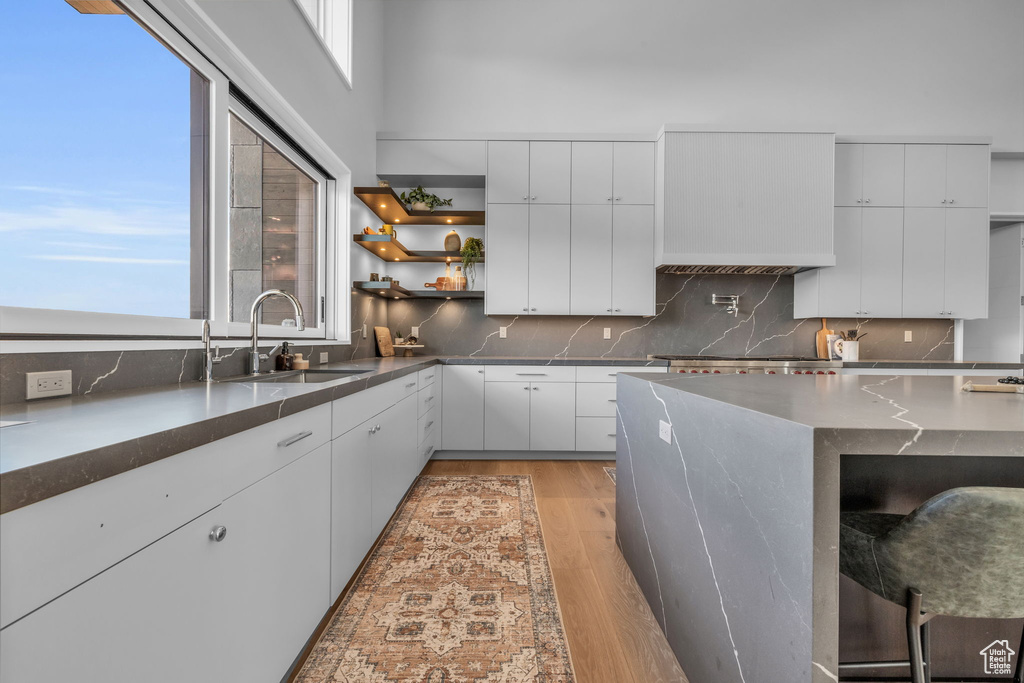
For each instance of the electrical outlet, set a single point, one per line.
(607, 333)
(665, 431)
(415, 331)
(47, 384)
(364, 331)
(502, 333)
(323, 357)
(908, 336)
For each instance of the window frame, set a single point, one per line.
(188, 32)
(323, 28)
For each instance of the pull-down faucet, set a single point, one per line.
(257, 306)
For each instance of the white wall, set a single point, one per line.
(1000, 337)
(864, 67)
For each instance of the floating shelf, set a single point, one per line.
(388, 248)
(389, 291)
(389, 208)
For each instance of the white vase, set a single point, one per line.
(420, 206)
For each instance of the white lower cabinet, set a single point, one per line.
(351, 526)
(394, 461)
(506, 416)
(529, 416)
(462, 408)
(595, 433)
(552, 416)
(189, 608)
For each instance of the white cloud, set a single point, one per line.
(86, 245)
(97, 220)
(112, 259)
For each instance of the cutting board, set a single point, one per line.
(821, 340)
(384, 344)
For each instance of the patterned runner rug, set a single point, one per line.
(458, 591)
(610, 471)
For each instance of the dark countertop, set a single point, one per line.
(77, 440)
(935, 365)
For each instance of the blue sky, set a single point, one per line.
(94, 167)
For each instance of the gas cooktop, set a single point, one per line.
(755, 359)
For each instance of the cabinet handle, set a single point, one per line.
(372, 430)
(218, 533)
(526, 388)
(532, 198)
(524, 309)
(533, 309)
(292, 439)
(428, 399)
(536, 388)
(618, 199)
(480, 372)
(617, 310)
(943, 201)
(608, 309)
(524, 198)
(428, 424)
(611, 400)
(411, 384)
(952, 201)
(859, 201)
(609, 199)
(533, 374)
(612, 434)
(867, 201)
(612, 374)
(377, 428)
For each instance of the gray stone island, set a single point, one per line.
(730, 520)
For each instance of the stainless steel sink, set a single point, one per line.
(297, 376)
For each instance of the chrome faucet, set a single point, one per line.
(209, 359)
(254, 353)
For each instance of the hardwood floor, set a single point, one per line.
(612, 633)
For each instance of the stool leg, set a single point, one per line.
(926, 651)
(914, 636)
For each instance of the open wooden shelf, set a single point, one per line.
(389, 208)
(387, 248)
(389, 291)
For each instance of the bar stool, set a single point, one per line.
(959, 554)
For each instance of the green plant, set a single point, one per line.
(471, 253)
(421, 195)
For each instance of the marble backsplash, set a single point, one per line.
(96, 372)
(686, 322)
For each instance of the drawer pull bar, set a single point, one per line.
(293, 439)
(612, 374)
(428, 425)
(612, 434)
(611, 400)
(410, 384)
(428, 399)
(533, 374)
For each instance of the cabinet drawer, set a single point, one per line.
(266, 449)
(595, 433)
(428, 375)
(427, 422)
(595, 400)
(427, 398)
(353, 410)
(607, 373)
(529, 373)
(426, 449)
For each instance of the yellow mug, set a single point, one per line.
(387, 229)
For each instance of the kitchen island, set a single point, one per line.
(729, 492)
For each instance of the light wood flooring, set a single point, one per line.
(612, 633)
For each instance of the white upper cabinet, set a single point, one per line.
(881, 276)
(945, 263)
(967, 262)
(633, 271)
(869, 175)
(590, 259)
(547, 275)
(947, 175)
(550, 164)
(508, 173)
(613, 172)
(508, 252)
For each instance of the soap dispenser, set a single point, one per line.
(285, 360)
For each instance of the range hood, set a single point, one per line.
(743, 203)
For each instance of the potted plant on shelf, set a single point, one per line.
(421, 200)
(471, 253)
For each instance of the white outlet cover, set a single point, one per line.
(47, 384)
(415, 331)
(908, 336)
(364, 331)
(323, 357)
(665, 431)
(502, 333)
(607, 333)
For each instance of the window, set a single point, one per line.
(332, 21)
(278, 211)
(103, 169)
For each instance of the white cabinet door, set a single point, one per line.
(883, 175)
(925, 176)
(966, 263)
(548, 279)
(839, 285)
(462, 408)
(590, 260)
(633, 273)
(508, 173)
(508, 251)
(550, 172)
(507, 416)
(592, 173)
(881, 272)
(850, 174)
(149, 618)
(275, 572)
(552, 416)
(633, 172)
(394, 460)
(351, 532)
(924, 259)
(967, 175)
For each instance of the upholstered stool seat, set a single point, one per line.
(960, 554)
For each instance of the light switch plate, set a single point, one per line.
(665, 431)
(323, 357)
(364, 331)
(607, 333)
(502, 333)
(908, 336)
(416, 331)
(47, 384)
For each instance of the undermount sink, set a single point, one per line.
(297, 376)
